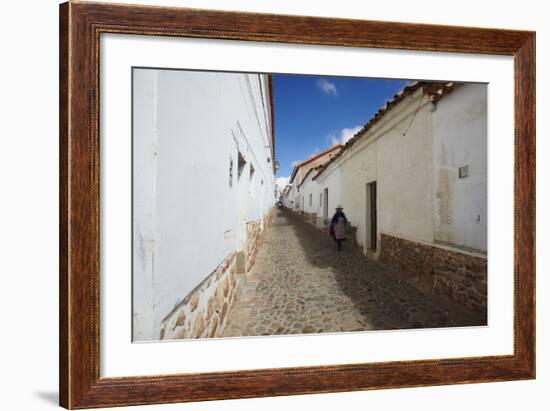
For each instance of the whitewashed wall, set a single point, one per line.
(358, 169)
(311, 189)
(146, 235)
(288, 197)
(417, 173)
(402, 168)
(297, 197)
(405, 176)
(187, 218)
(331, 179)
(460, 139)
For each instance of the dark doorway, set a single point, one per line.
(371, 217)
(325, 208)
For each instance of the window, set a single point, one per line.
(241, 162)
(252, 170)
(320, 200)
(230, 171)
(251, 185)
(310, 200)
(463, 171)
(325, 208)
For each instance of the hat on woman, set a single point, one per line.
(339, 207)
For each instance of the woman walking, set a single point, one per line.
(337, 227)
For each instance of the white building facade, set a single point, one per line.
(304, 195)
(329, 183)
(413, 183)
(203, 179)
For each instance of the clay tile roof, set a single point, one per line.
(335, 148)
(315, 156)
(435, 90)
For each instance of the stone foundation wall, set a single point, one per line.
(459, 274)
(203, 312)
(310, 217)
(253, 236)
(268, 218)
(255, 231)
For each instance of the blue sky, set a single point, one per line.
(313, 112)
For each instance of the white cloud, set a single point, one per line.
(343, 135)
(295, 163)
(281, 182)
(327, 87)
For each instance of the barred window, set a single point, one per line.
(241, 162)
(230, 171)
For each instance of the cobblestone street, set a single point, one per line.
(301, 284)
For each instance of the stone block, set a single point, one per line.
(449, 272)
(180, 319)
(181, 333)
(197, 315)
(211, 308)
(226, 287)
(219, 299)
(223, 312)
(213, 324)
(198, 326)
(241, 262)
(194, 301)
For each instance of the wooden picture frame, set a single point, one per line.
(80, 27)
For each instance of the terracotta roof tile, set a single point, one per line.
(314, 157)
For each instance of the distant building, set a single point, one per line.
(203, 187)
(304, 169)
(285, 196)
(312, 196)
(301, 169)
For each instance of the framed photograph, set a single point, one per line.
(258, 205)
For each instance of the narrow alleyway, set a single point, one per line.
(301, 284)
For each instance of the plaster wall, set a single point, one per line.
(460, 140)
(331, 179)
(401, 165)
(289, 198)
(311, 189)
(201, 195)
